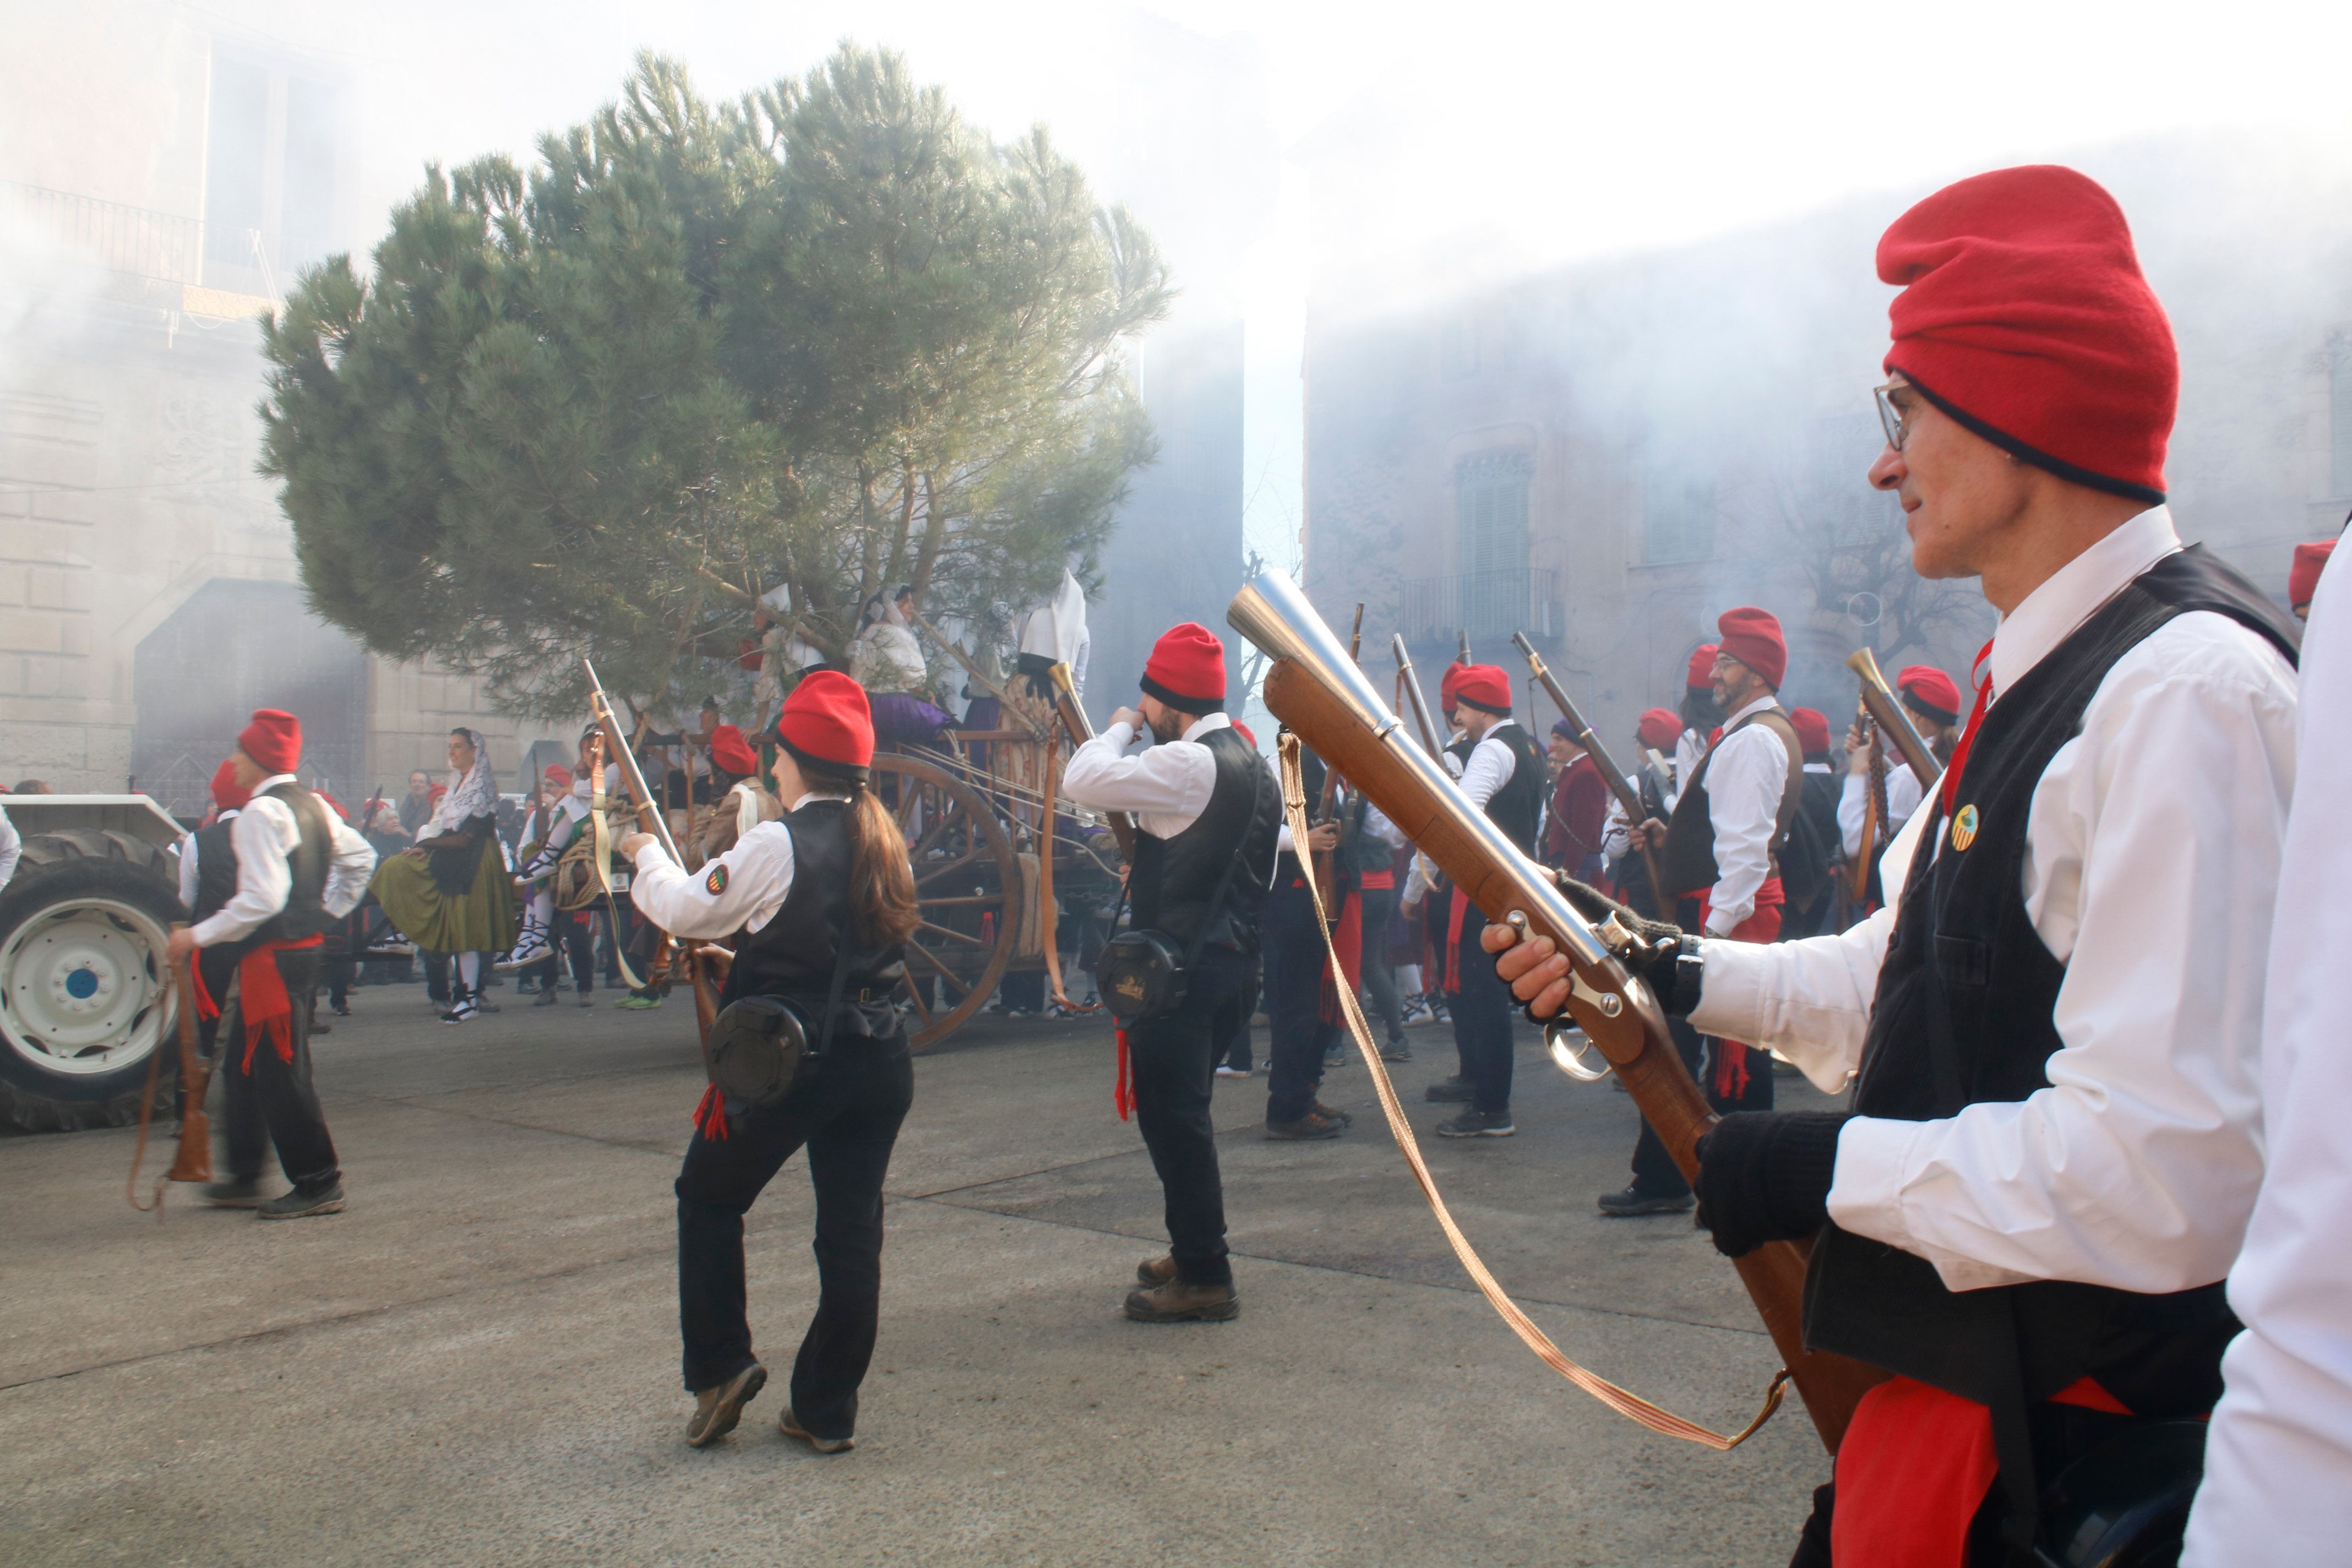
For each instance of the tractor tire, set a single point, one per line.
(85, 989)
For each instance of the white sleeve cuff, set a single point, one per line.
(1731, 998)
(1874, 1159)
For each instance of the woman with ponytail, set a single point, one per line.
(816, 906)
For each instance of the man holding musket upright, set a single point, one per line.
(293, 867)
(2056, 1137)
(1206, 816)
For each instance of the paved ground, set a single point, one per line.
(477, 1363)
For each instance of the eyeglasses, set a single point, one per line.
(1891, 419)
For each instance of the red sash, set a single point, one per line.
(261, 997)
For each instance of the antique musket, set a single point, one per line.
(1888, 715)
(1312, 687)
(1326, 862)
(1409, 682)
(1618, 784)
(1073, 719)
(700, 956)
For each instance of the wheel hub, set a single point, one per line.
(83, 987)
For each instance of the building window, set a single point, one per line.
(1457, 346)
(2339, 414)
(1490, 495)
(1677, 513)
(271, 155)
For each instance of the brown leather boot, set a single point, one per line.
(1178, 1303)
(716, 1410)
(1156, 1270)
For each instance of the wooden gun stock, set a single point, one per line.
(1891, 722)
(1331, 707)
(1618, 784)
(1082, 729)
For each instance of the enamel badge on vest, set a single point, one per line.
(1964, 828)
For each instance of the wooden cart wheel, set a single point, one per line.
(967, 882)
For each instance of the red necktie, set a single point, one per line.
(1982, 680)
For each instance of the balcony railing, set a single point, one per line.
(1483, 603)
(139, 243)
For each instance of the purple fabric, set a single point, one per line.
(904, 717)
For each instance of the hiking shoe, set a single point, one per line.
(716, 1410)
(1342, 1117)
(1477, 1123)
(234, 1195)
(547, 998)
(1156, 1270)
(1178, 1303)
(1629, 1201)
(790, 1425)
(1456, 1090)
(300, 1205)
(636, 1004)
(318, 1028)
(1396, 1051)
(464, 1010)
(586, 1000)
(1311, 1126)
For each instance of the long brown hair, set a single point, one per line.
(882, 909)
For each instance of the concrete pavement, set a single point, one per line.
(476, 1363)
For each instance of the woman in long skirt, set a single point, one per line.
(452, 893)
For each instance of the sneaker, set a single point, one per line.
(1309, 1128)
(547, 998)
(342, 1010)
(461, 1012)
(1225, 1071)
(1334, 1058)
(1477, 1123)
(716, 1410)
(300, 1205)
(1453, 1090)
(317, 1028)
(1626, 1202)
(481, 1005)
(636, 1004)
(1342, 1117)
(234, 1195)
(790, 1425)
(586, 1000)
(1178, 1303)
(1396, 1051)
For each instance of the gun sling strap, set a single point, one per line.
(1633, 1406)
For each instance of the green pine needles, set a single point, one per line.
(826, 336)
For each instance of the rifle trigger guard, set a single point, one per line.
(1570, 1059)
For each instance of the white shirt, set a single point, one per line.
(1902, 797)
(1746, 773)
(1487, 769)
(1165, 787)
(2152, 861)
(710, 902)
(11, 847)
(263, 834)
(2279, 1447)
(1690, 746)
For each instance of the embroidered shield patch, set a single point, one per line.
(1964, 828)
(716, 883)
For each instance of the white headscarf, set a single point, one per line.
(474, 794)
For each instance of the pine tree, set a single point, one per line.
(826, 336)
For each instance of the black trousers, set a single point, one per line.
(1380, 978)
(1169, 1060)
(1482, 1022)
(1234, 1052)
(1298, 1036)
(846, 1110)
(570, 935)
(1655, 1175)
(266, 1100)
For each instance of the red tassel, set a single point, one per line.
(1122, 1093)
(710, 1114)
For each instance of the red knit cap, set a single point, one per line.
(557, 774)
(827, 721)
(1700, 676)
(274, 739)
(730, 751)
(1812, 728)
(1449, 686)
(1486, 688)
(2024, 316)
(2303, 577)
(1931, 692)
(1660, 727)
(1753, 637)
(1187, 669)
(228, 793)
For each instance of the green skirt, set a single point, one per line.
(480, 919)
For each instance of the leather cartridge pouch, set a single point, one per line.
(757, 1047)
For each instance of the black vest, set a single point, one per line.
(792, 955)
(1963, 1014)
(304, 914)
(1518, 807)
(1689, 865)
(215, 870)
(1174, 878)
